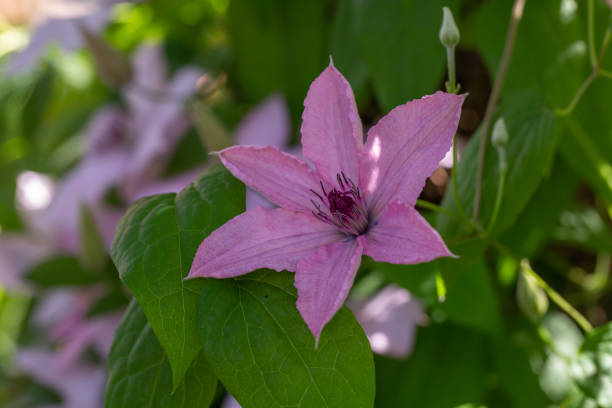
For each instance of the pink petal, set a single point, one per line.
(402, 236)
(166, 121)
(405, 147)
(106, 130)
(230, 402)
(266, 125)
(280, 177)
(80, 385)
(149, 71)
(17, 254)
(324, 279)
(331, 129)
(260, 238)
(390, 319)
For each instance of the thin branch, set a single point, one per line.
(517, 14)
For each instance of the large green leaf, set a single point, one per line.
(549, 53)
(263, 352)
(447, 368)
(153, 249)
(140, 374)
(470, 297)
(399, 41)
(530, 151)
(541, 215)
(279, 45)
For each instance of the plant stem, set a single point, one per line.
(450, 61)
(454, 177)
(517, 14)
(605, 73)
(591, 32)
(552, 294)
(585, 85)
(500, 188)
(560, 301)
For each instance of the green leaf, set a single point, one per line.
(446, 368)
(264, 354)
(470, 297)
(155, 243)
(549, 53)
(63, 270)
(140, 376)
(593, 369)
(530, 151)
(278, 46)
(399, 41)
(541, 215)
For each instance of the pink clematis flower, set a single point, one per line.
(359, 199)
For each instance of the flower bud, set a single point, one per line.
(449, 33)
(499, 138)
(114, 67)
(531, 299)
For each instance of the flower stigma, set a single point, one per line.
(342, 207)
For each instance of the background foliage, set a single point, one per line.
(188, 343)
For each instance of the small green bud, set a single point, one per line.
(531, 298)
(449, 33)
(499, 138)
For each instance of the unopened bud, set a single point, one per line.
(449, 33)
(499, 138)
(210, 129)
(114, 68)
(531, 299)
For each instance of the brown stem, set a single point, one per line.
(517, 14)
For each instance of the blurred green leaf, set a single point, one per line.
(279, 46)
(155, 243)
(63, 270)
(470, 297)
(592, 370)
(538, 221)
(398, 39)
(111, 301)
(140, 375)
(261, 349)
(446, 368)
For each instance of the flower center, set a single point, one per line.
(342, 207)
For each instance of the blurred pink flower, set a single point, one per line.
(80, 385)
(63, 315)
(17, 254)
(128, 149)
(390, 319)
(358, 200)
(56, 23)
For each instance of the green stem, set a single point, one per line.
(605, 73)
(454, 177)
(560, 301)
(552, 294)
(585, 85)
(591, 32)
(517, 14)
(500, 188)
(450, 60)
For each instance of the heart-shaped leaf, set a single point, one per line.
(140, 375)
(260, 348)
(154, 246)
